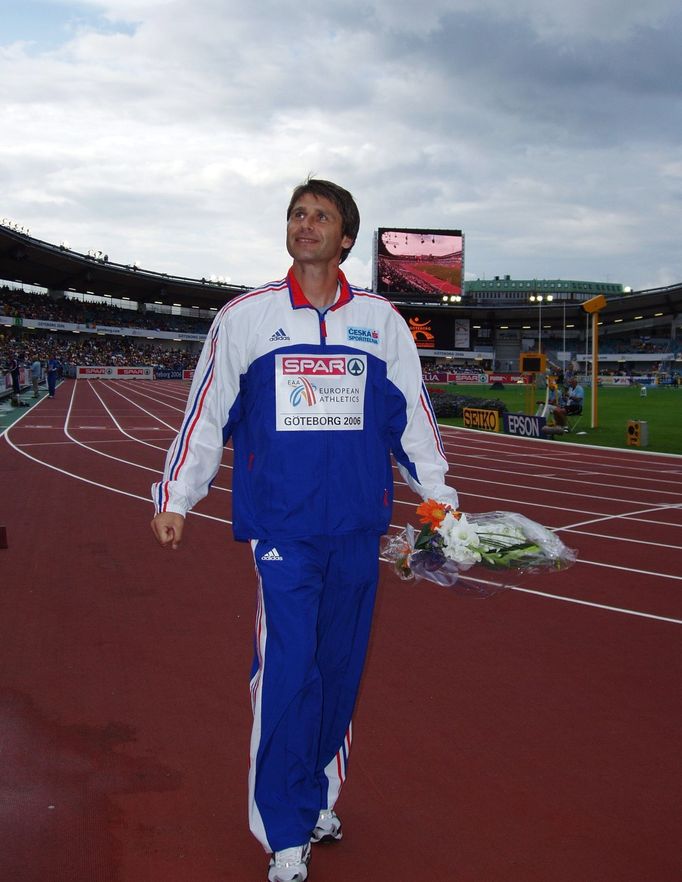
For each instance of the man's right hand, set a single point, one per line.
(167, 526)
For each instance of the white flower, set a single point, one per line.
(460, 540)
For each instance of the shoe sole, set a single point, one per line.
(327, 838)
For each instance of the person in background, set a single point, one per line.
(573, 403)
(53, 367)
(14, 368)
(317, 382)
(36, 368)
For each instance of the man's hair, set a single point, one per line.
(342, 199)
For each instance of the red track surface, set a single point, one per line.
(521, 738)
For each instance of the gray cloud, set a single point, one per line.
(173, 132)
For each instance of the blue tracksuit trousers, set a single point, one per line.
(315, 603)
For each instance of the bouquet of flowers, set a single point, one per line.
(451, 543)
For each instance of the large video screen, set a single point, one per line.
(429, 263)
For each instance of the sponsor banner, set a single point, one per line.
(630, 356)
(614, 381)
(87, 372)
(459, 353)
(24, 378)
(320, 392)
(478, 418)
(113, 372)
(470, 378)
(146, 372)
(422, 331)
(524, 425)
(100, 329)
(168, 374)
(508, 378)
(436, 376)
(143, 332)
(116, 331)
(462, 333)
(39, 323)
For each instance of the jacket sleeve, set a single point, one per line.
(417, 445)
(194, 457)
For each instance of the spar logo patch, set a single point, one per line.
(363, 335)
(314, 365)
(315, 392)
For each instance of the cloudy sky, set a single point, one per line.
(173, 131)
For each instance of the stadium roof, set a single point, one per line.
(34, 262)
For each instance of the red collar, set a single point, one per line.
(298, 298)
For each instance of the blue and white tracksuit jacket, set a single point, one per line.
(315, 403)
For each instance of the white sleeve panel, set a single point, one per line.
(420, 440)
(194, 457)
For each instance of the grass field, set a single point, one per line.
(444, 273)
(661, 409)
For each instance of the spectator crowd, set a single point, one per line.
(28, 345)
(25, 304)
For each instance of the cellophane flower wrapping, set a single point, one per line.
(497, 547)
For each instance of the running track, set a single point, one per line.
(529, 737)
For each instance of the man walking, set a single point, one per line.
(317, 382)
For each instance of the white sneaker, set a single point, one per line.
(290, 865)
(328, 827)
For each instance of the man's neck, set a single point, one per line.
(318, 283)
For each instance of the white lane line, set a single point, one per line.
(147, 501)
(93, 449)
(156, 418)
(414, 504)
(614, 467)
(21, 418)
(590, 493)
(564, 599)
(611, 566)
(120, 427)
(582, 458)
(604, 606)
(618, 538)
(517, 503)
(137, 465)
(226, 521)
(627, 516)
(167, 425)
(574, 448)
(155, 399)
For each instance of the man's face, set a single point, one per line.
(314, 231)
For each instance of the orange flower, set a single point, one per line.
(432, 512)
